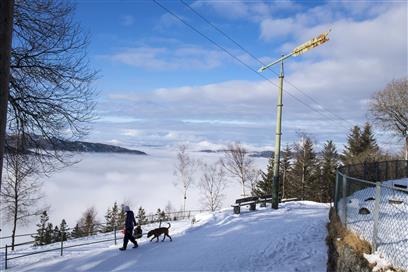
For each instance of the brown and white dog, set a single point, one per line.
(159, 231)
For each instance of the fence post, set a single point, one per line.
(5, 259)
(114, 232)
(345, 200)
(62, 242)
(406, 168)
(336, 191)
(376, 214)
(386, 171)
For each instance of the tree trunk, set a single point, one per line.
(406, 147)
(6, 29)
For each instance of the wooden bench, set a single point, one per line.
(251, 201)
(265, 199)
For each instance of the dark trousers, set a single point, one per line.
(128, 236)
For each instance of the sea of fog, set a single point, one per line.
(99, 180)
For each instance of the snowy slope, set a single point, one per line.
(289, 239)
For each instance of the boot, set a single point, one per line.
(122, 248)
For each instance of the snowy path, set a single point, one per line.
(290, 239)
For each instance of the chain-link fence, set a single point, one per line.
(376, 208)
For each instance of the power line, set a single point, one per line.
(257, 59)
(236, 58)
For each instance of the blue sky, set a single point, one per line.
(162, 83)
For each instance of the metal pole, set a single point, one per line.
(336, 191)
(345, 200)
(275, 181)
(376, 215)
(5, 259)
(62, 242)
(114, 232)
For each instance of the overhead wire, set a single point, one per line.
(259, 61)
(239, 60)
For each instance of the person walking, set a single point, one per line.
(129, 225)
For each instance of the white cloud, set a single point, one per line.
(161, 58)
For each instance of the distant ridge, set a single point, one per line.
(71, 146)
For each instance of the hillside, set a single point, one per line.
(289, 239)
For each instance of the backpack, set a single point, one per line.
(137, 232)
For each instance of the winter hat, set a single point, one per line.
(126, 209)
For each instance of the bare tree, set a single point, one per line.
(389, 109)
(21, 192)
(212, 185)
(238, 164)
(50, 94)
(185, 168)
(88, 222)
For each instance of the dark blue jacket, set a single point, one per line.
(130, 220)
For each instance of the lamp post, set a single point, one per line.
(322, 38)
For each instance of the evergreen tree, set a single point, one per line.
(264, 185)
(108, 221)
(141, 215)
(64, 229)
(305, 183)
(39, 239)
(121, 218)
(361, 146)
(49, 234)
(111, 218)
(329, 163)
(56, 235)
(284, 170)
(77, 232)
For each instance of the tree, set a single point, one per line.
(212, 184)
(111, 218)
(285, 169)
(77, 232)
(56, 235)
(64, 230)
(264, 185)
(142, 218)
(329, 163)
(389, 109)
(238, 164)
(361, 146)
(49, 234)
(304, 170)
(51, 98)
(88, 222)
(39, 239)
(185, 168)
(21, 191)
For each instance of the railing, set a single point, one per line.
(371, 200)
(152, 218)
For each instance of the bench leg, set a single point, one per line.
(237, 209)
(252, 206)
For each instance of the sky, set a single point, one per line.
(162, 83)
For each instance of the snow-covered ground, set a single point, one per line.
(289, 239)
(392, 242)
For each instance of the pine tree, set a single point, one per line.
(285, 169)
(329, 163)
(109, 219)
(64, 229)
(56, 235)
(304, 171)
(49, 234)
(361, 146)
(77, 232)
(121, 218)
(264, 185)
(141, 215)
(39, 239)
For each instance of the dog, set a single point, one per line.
(159, 231)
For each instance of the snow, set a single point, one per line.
(392, 242)
(289, 239)
(378, 260)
